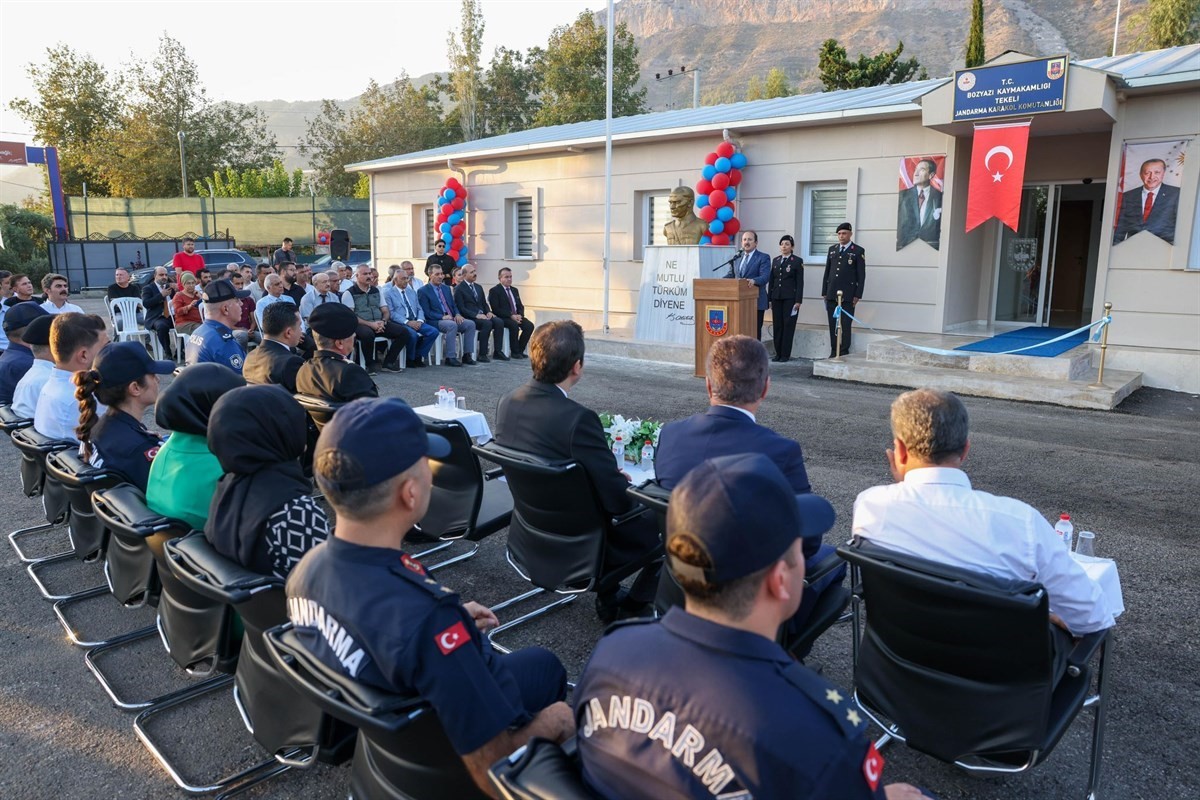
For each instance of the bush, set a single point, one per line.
(26, 237)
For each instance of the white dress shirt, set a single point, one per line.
(57, 412)
(29, 388)
(313, 299)
(935, 514)
(267, 300)
(53, 309)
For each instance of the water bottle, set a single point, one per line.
(1065, 530)
(451, 399)
(648, 455)
(619, 451)
(441, 397)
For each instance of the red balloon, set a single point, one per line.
(453, 183)
(720, 181)
(458, 203)
(708, 213)
(456, 230)
(442, 218)
(724, 150)
(711, 158)
(717, 199)
(456, 243)
(735, 177)
(733, 226)
(453, 254)
(721, 238)
(704, 186)
(462, 192)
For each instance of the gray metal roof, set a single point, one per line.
(1157, 66)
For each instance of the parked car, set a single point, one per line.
(356, 257)
(212, 258)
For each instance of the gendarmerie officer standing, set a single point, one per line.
(845, 270)
(705, 703)
(786, 292)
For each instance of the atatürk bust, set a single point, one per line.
(686, 227)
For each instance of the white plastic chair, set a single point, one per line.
(180, 338)
(123, 311)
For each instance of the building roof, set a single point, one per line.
(1157, 67)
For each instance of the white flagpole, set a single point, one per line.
(608, 112)
(1116, 27)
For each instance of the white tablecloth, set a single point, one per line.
(1104, 572)
(638, 474)
(475, 423)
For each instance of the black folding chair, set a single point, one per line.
(541, 770)
(11, 421)
(402, 750)
(319, 411)
(959, 665)
(33, 447)
(557, 533)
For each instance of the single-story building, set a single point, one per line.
(1084, 237)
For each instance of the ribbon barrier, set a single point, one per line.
(1101, 325)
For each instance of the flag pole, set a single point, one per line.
(608, 111)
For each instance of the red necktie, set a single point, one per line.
(920, 202)
(1149, 205)
(442, 297)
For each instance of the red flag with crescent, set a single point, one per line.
(997, 172)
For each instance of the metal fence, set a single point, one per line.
(93, 262)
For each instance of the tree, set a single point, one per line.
(390, 120)
(26, 234)
(272, 181)
(572, 74)
(509, 95)
(975, 51)
(777, 84)
(754, 89)
(1170, 23)
(465, 48)
(838, 72)
(76, 106)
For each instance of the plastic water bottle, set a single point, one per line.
(441, 397)
(619, 451)
(648, 455)
(451, 399)
(1065, 530)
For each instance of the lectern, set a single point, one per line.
(724, 307)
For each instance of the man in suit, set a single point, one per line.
(155, 297)
(405, 306)
(506, 304)
(754, 267)
(737, 378)
(275, 361)
(437, 303)
(919, 215)
(541, 418)
(330, 374)
(845, 270)
(1150, 207)
(472, 304)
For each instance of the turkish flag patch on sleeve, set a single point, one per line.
(456, 636)
(872, 766)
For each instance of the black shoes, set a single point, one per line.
(418, 362)
(500, 356)
(453, 362)
(483, 358)
(519, 355)
(469, 360)
(392, 366)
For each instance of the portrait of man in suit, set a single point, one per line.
(919, 210)
(1154, 203)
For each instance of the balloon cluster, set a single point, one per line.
(451, 221)
(717, 191)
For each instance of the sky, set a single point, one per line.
(336, 47)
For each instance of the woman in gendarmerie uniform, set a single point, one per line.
(786, 293)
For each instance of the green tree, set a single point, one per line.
(76, 106)
(509, 95)
(975, 51)
(572, 74)
(465, 46)
(390, 120)
(26, 234)
(1170, 23)
(272, 181)
(777, 84)
(838, 72)
(754, 89)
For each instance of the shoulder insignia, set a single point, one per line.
(835, 702)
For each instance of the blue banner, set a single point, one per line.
(1009, 90)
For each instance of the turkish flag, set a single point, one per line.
(997, 172)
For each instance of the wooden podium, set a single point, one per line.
(724, 307)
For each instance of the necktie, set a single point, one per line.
(478, 293)
(921, 203)
(407, 308)
(324, 297)
(1149, 205)
(442, 297)
(512, 304)
(742, 268)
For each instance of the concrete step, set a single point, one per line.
(1075, 364)
(1075, 393)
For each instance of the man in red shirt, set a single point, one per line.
(187, 261)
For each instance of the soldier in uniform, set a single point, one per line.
(213, 341)
(845, 269)
(786, 292)
(705, 703)
(330, 375)
(371, 611)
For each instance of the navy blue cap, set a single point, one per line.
(22, 314)
(743, 514)
(38, 331)
(845, 226)
(122, 362)
(370, 440)
(220, 291)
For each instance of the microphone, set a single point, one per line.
(728, 263)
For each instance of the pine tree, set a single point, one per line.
(975, 52)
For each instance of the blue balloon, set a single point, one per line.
(456, 217)
(725, 213)
(723, 164)
(716, 226)
(731, 193)
(441, 201)
(444, 227)
(701, 201)
(447, 237)
(449, 194)
(738, 160)
(462, 260)
(705, 240)
(708, 172)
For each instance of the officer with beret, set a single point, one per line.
(705, 703)
(845, 270)
(371, 611)
(18, 358)
(213, 341)
(330, 375)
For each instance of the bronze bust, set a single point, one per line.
(686, 227)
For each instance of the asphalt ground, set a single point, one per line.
(1131, 475)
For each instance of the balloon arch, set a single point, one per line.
(717, 192)
(451, 222)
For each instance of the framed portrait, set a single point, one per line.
(919, 206)
(1148, 189)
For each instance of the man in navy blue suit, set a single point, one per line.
(737, 379)
(1150, 207)
(754, 267)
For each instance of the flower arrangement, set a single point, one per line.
(634, 432)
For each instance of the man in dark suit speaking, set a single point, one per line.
(1150, 207)
(754, 267)
(541, 418)
(919, 215)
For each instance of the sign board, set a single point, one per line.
(1010, 90)
(12, 153)
(666, 306)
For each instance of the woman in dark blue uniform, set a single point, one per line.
(125, 380)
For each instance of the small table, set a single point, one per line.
(1104, 572)
(475, 423)
(638, 475)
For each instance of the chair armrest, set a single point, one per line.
(493, 473)
(823, 568)
(629, 515)
(1084, 650)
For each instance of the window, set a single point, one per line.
(824, 208)
(423, 219)
(520, 219)
(430, 216)
(657, 213)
